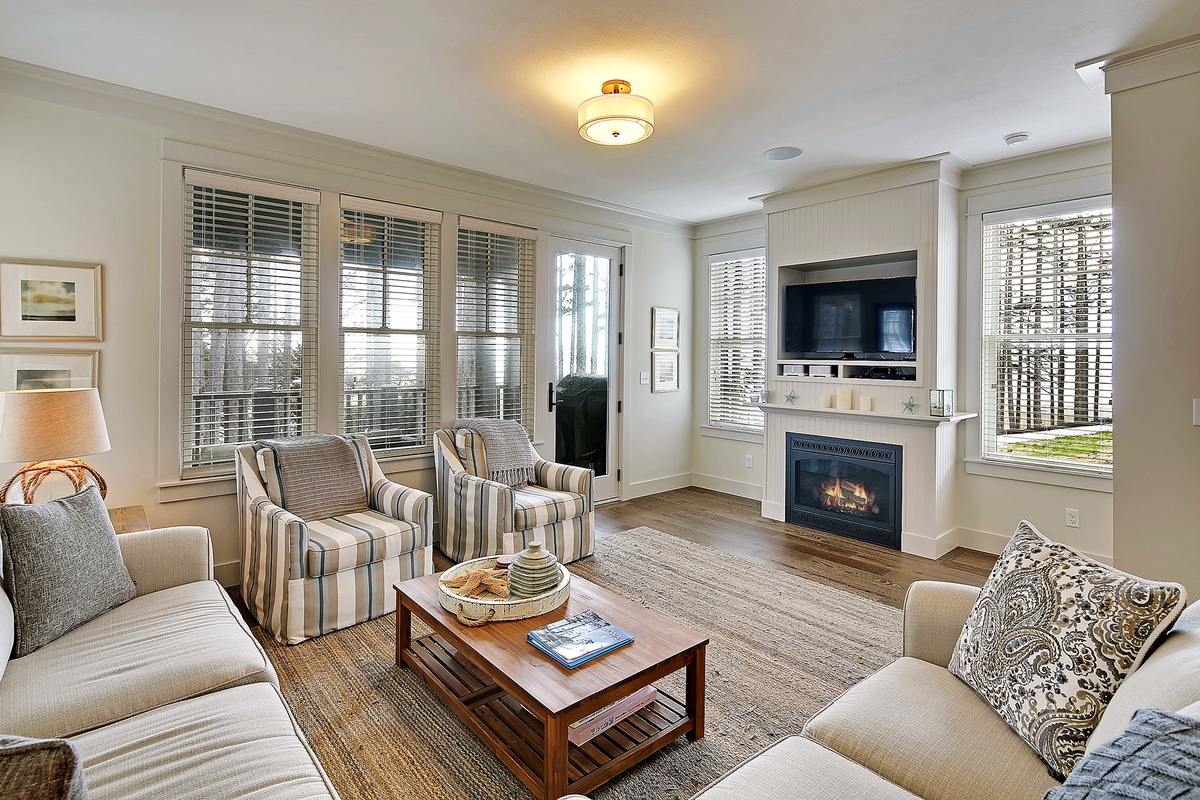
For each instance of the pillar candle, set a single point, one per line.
(864, 404)
(826, 401)
(845, 398)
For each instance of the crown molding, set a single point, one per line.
(1161, 62)
(945, 167)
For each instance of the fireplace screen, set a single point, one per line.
(846, 487)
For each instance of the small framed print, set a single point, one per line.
(664, 325)
(48, 369)
(664, 371)
(941, 402)
(49, 300)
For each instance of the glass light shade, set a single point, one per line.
(616, 119)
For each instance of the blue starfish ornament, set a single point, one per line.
(791, 398)
(910, 405)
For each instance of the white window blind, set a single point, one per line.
(494, 321)
(389, 323)
(1047, 336)
(249, 298)
(737, 340)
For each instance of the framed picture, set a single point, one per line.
(48, 369)
(664, 325)
(664, 371)
(49, 300)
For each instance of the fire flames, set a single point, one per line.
(847, 496)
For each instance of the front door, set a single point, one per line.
(583, 393)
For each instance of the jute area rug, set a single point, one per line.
(781, 647)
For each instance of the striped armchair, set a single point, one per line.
(332, 564)
(483, 518)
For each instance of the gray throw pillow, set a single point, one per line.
(1052, 636)
(40, 769)
(62, 566)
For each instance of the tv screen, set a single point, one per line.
(858, 318)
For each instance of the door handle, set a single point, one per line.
(551, 403)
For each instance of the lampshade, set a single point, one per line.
(616, 116)
(51, 424)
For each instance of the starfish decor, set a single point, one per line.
(909, 405)
(791, 398)
(475, 582)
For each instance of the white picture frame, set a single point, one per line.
(664, 328)
(50, 300)
(48, 369)
(664, 371)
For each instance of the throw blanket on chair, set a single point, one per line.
(509, 457)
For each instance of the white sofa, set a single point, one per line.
(167, 695)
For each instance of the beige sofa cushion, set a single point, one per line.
(237, 743)
(798, 767)
(921, 728)
(162, 647)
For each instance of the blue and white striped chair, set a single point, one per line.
(481, 517)
(333, 564)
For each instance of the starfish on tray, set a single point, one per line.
(475, 582)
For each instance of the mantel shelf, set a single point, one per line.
(869, 416)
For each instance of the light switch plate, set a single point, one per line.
(644, 378)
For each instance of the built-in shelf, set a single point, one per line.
(876, 416)
(861, 369)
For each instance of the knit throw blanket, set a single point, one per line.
(509, 457)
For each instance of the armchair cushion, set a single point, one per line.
(353, 540)
(314, 477)
(536, 505)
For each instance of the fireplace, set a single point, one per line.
(844, 486)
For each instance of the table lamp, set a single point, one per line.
(50, 428)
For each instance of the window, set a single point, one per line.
(1047, 336)
(389, 323)
(737, 339)
(249, 315)
(494, 321)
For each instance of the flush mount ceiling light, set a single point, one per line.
(615, 116)
(1015, 139)
(782, 153)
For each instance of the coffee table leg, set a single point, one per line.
(695, 694)
(555, 767)
(403, 629)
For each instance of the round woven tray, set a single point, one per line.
(476, 608)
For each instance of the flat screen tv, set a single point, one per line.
(851, 319)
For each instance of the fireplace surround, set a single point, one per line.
(845, 486)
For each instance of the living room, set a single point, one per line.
(92, 167)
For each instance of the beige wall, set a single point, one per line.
(1156, 186)
(80, 171)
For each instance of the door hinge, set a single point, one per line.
(620, 337)
(621, 270)
(618, 476)
(618, 406)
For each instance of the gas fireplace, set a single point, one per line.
(845, 486)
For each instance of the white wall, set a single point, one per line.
(1156, 189)
(80, 171)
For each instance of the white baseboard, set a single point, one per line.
(229, 573)
(775, 511)
(753, 491)
(933, 547)
(656, 486)
(987, 542)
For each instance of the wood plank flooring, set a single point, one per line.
(736, 525)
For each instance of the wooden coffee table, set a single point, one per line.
(520, 701)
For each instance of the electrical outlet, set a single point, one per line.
(1072, 517)
(644, 378)
(749, 462)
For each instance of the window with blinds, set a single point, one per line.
(249, 315)
(1047, 336)
(494, 321)
(737, 340)
(389, 323)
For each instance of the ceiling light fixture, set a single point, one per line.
(1014, 139)
(615, 116)
(782, 153)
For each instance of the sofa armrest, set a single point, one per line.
(405, 504)
(934, 615)
(166, 557)
(565, 478)
(484, 505)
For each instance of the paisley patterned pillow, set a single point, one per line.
(1052, 636)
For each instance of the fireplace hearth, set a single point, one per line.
(845, 486)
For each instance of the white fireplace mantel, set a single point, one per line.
(905, 419)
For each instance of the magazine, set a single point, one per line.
(578, 638)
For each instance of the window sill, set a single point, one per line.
(1046, 476)
(726, 433)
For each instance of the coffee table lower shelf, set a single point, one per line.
(516, 736)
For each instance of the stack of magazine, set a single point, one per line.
(578, 638)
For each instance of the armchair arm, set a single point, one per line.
(404, 503)
(166, 557)
(564, 478)
(484, 505)
(934, 615)
(277, 530)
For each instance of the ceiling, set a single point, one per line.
(494, 86)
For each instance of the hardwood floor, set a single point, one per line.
(736, 525)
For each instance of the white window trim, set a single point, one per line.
(706, 427)
(1082, 189)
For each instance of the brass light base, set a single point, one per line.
(615, 87)
(32, 474)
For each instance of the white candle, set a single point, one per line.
(864, 404)
(826, 401)
(845, 398)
